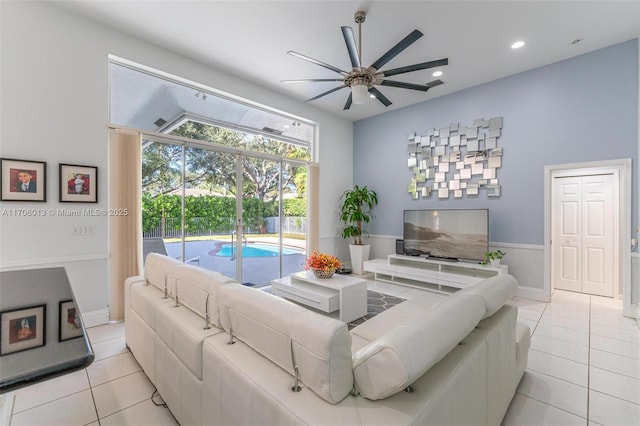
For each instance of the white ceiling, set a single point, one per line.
(249, 39)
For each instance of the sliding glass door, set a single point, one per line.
(240, 213)
(274, 225)
(210, 214)
(162, 199)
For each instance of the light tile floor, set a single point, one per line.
(584, 369)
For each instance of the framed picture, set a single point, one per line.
(78, 184)
(22, 329)
(23, 180)
(69, 325)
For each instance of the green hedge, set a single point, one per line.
(212, 212)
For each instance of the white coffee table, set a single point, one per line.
(341, 293)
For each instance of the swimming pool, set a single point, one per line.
(257, 250)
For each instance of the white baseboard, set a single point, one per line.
(95, 318)
(532, 294)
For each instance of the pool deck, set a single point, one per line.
(258, 271)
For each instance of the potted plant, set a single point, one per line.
(357, 206)
(493, 257)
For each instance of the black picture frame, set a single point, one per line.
(23, 180)
(69, 322)
(23, 329)
(78, 184)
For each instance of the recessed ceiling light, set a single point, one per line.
(517, 44)
(372, 96)
(437, 73)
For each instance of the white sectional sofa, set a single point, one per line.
(220, 353)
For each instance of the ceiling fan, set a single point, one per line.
(361, 80)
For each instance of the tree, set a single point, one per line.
(161, 169)
(216, 170)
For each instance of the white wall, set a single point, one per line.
(55, 107)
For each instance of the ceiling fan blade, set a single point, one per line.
(352, 47)
(395, 50)
(326, 93)
(317, 62)
(348, 104)
(416, 67)
(311, 80)
(403, 85)
(379, 96)
(435, 83)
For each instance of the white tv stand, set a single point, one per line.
(431, 274)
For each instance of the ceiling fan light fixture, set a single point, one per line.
(437, 73)
(359, 91)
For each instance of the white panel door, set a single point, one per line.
(566, 241)
(598, 235)
(584, 227)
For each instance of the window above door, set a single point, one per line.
(149, 102)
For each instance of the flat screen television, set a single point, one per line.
(453, 234)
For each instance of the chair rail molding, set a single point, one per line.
(49, 261)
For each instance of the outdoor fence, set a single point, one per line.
(171, 227)
(290, 225)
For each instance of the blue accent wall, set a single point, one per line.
(578, 110)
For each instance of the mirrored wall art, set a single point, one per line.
(494, 162)
(493, 190)
(488, 173)
(457, 160)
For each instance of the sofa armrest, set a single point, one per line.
(128, 283)
(394, 361)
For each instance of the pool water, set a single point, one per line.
(257, 250)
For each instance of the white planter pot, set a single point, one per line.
(495, 262)
(358, 255)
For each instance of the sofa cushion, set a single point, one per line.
(387, 321)
(290, 335)
(156, 269)
(399, 315)
(394, 361)
(197, 289)
(322, 350)
(183, 332)
(494, 291)
(144, 300)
